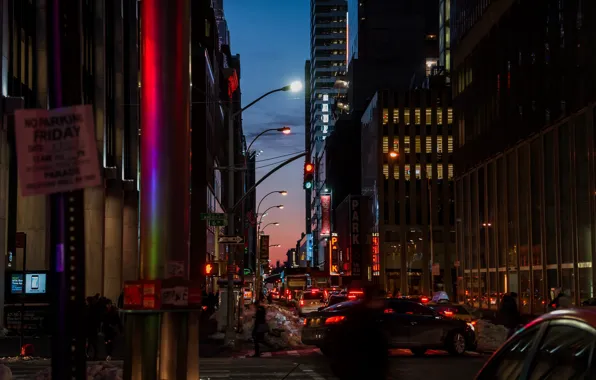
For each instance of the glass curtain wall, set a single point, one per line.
(525, 220)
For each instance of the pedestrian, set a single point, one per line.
(360, 341)
(112, 326)
(260, 327)
(508, 314)
(92, 323)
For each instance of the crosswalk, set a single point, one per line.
(211, 369)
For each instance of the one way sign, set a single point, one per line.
(231, 239)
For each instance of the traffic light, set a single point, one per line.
(211, 269)
(309, 170)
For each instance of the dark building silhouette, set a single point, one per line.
(524, 95)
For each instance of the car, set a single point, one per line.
(310, 301)
(556, 345)
(405, 323)
(463, 312)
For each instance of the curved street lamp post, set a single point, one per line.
(295, 86)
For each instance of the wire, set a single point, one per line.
(283, 155)
(273, 163)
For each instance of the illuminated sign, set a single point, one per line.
(376, 265)
(333, 256)
(355, 237)
(325, 215)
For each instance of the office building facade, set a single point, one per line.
(327, 64)
(407, 177)
(524, 154)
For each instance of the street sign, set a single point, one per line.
(218, 222)
(208, 216)
(56, 150)
(231, 239)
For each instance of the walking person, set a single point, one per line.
(93, 323)
(260, 328)
(509, 314)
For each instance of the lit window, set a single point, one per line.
(325, 98)
(325, 118)
(325, 107)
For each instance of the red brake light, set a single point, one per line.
(448, 313)
(301, 302)
(305, 321)
(388, 311)
(410, 313)
(424, 299)
(333, 320)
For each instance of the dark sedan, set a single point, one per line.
(405, 324)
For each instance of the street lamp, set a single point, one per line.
(393, 154)
(282, 192)
(230, 209)
(281, 207)
(270, 224)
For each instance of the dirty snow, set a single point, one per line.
(101, 371)
(490, 336)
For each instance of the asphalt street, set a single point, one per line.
(311, 367)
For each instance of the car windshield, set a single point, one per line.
(311, 296)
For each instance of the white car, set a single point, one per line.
(310, 301)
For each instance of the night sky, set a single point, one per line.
(272, 38)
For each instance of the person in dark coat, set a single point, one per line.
(360, 341)
(93, 323)
(260, 327)
(508, 314)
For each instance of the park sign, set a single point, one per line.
(56, 150)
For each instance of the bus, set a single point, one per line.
(293, 285)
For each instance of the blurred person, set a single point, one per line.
(260, 327)
(92, 323)
(508, 314)
(358, 348)
(561, 301)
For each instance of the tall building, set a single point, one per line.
(111, 85)
(391, 44)
(327, 65)
(524, 159)
(215, 81)
(407, 178)
(307, 136)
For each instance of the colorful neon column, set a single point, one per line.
(165, 135)
(165, 178)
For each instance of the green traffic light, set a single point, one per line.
(307, 185)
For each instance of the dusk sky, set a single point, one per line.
(272, 38)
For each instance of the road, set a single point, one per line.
(311, 366)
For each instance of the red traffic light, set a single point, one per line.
(308, 167)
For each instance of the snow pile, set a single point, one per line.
(103, 371)
(287, 323)
(490, 336)
(5, 373)
(15, 359)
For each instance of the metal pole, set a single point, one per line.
(230, 335)
(22, 339)
(165, 174)
(67, 227)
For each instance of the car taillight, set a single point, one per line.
(424, 299)
(388, 311)
(448, 313)
(301, 302)
(334, 320)
(305, 321)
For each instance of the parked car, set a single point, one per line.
(557, 345)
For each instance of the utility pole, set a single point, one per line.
(67, 209)
(230, 334)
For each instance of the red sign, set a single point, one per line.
(142, 294)
(325, 215)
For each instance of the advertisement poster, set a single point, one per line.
(264, 250)
(325, 215)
